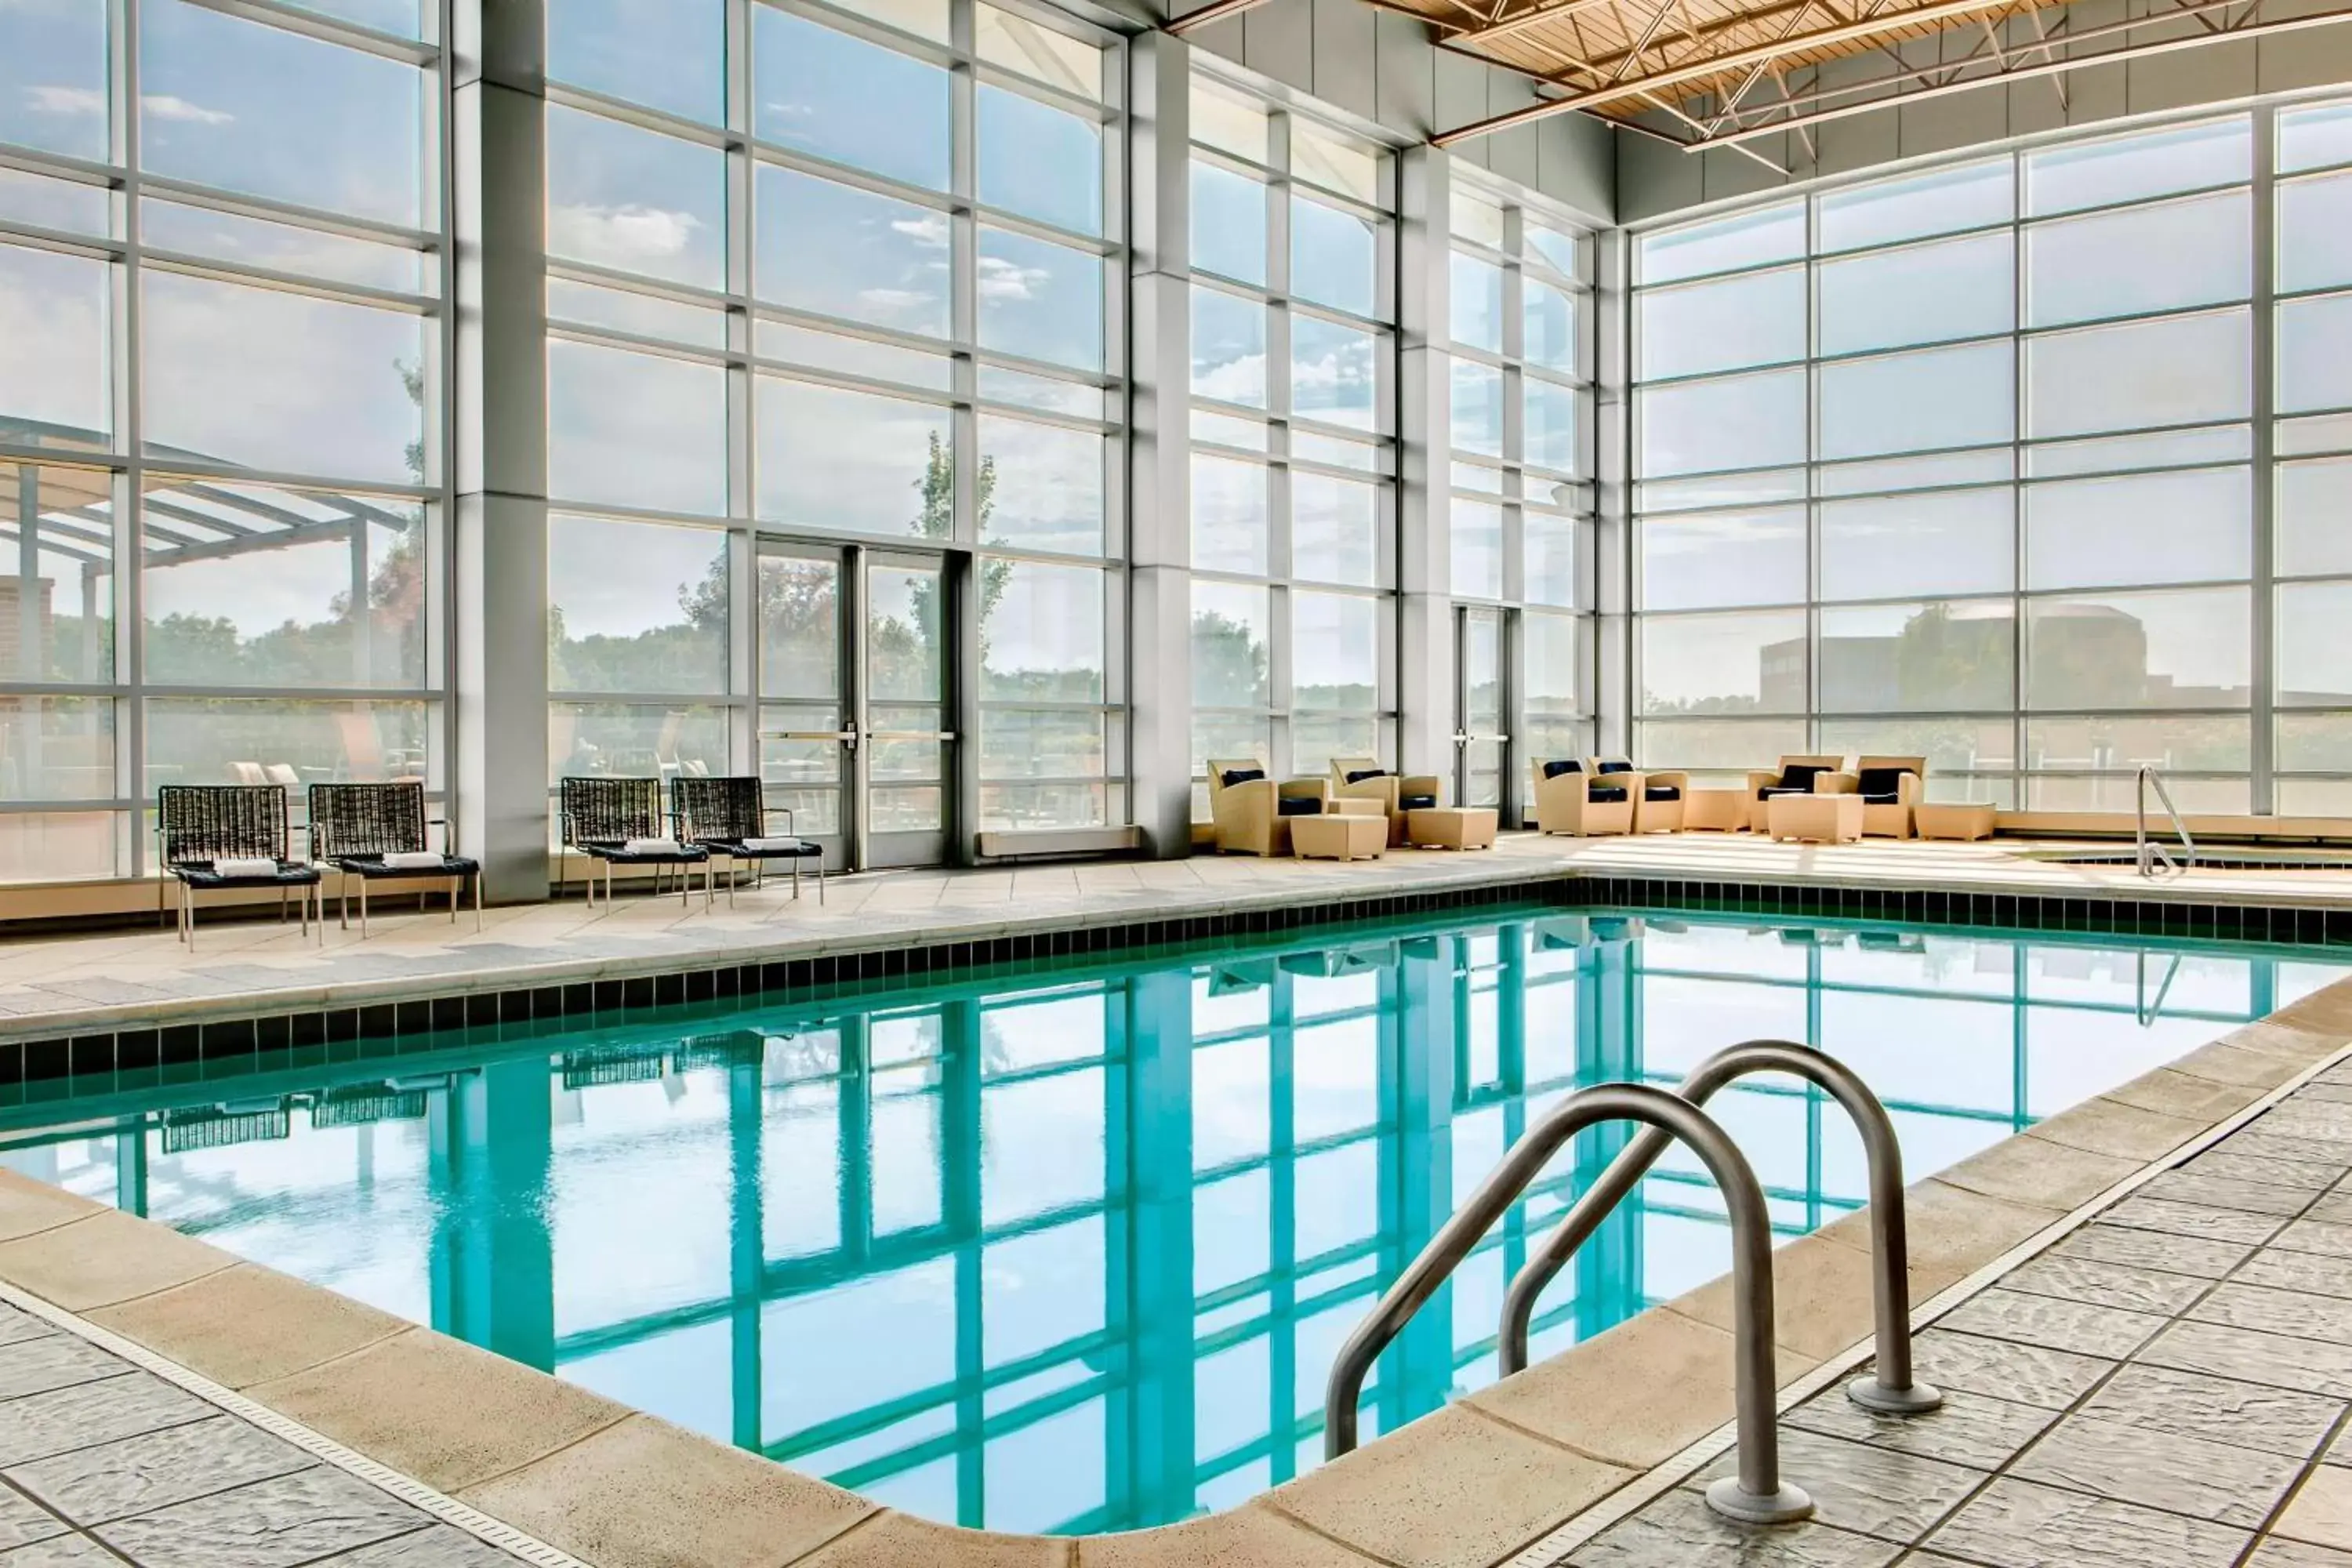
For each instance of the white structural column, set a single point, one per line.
(1425, 678)
(499, 556)
(1160, 519)
(1609, 693)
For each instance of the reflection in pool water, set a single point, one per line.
(1074, 1253)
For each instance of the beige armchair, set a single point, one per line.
(1795, 776)
(1658, 804)
(1248, 811)
(1571, 797)
(1363, 778)
(1890, 787)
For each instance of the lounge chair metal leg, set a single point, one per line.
(478, 900)
(363, 888)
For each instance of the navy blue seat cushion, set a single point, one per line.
(373, 866)
(1605, 793)
(1416, 802)
(1876, 782)
(1553, 770)
(1613, 768)
(1882, 800)
(200, 874)
(685, 854)
(1298, 805)
(1242, 775)
(735, 849)
(1361, 774)
(1662, 792)
(1797, 780)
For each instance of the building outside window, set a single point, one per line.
(221, 411)
(1519, 331)
(1293, 429)
(2017, 464)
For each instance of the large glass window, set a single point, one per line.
(1293, 431)
(252, 592)
(2005, 514)
(1521, 464)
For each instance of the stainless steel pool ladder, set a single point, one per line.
(2145, 851)
(1891, 1390)
(1757, 1494)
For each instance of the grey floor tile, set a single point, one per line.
(42, 1424)
(2277, 1312)
(2311, 1366)
(1873, 1491)
(2017, 1524)
(2316, 1235)
(2321, 1089)
(2005, 1369)
(2247, 1165)
(269, 1525)
(2105, 1284)
(2154, 1250)
(2270, 1554)
(2052, 1324)
(16, 1327)
(22, 1520)
(2308, 1119)
(2265, 1144)
(59, 1361)
(137, 1475)
(61, 1552)
(2201, 1220)
(2331, 1208)
(1677, 1530)
(1969, 1430)
(2227, 1192)
(2161, 1469)
(2249, 1414)
(441, 1546)
(2310, 1272)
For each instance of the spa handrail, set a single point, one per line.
(2145, 851)
(1892, 1389)
(1756, 1494)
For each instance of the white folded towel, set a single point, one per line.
(245, 866)
(785, 844)
(412, 860)
(649, 846)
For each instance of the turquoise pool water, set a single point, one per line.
(1074, 1254)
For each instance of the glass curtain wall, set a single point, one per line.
(845, 279)
(221, 409)
(1990, 464)
(1520, 291)
(1292, 430)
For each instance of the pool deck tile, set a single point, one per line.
(2172, 1093)
(886, 1539)
(29, 1207)
(248, 1324)
(1820, 1298)
(1642, 1390)
(1972, 1429)
(278, 1524)
(439, 1409)
(2108, 1126)
(1864, 1487)
(2246, 1414)
(106, 1258)
(2039, 1172)
(1951, 1231)
(2321, 1513)
(642, 1493)
(1251, 1535)
(1470, 1491)
(1678, 1531)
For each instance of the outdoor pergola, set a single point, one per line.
(1721, 73)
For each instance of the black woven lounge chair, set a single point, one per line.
(375, 831)
(218, 837)
(619, 822)
(729, 816)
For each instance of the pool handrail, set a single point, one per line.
(1892, 1389)
(1756, 1494)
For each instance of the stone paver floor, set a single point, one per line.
(2164, 1387)
(102, 1463)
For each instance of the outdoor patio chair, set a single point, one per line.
(619, 822)
(375, 831)
(729, 816)
(216, 837)
(1795, 776)
(1658, 808)
(1363, 778)
(1890, 787)
(1253, 812)
(1572, 797)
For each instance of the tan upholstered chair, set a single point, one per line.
(1658, 804)
(1248, 811)
(1363, 778)
(1795, 776)
(1890, 787)
(1571, 798)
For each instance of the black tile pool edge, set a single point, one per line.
(182, 1051)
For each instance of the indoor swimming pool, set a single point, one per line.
(1072, 1253)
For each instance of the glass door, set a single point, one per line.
(1482, 744)
(855, 700)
